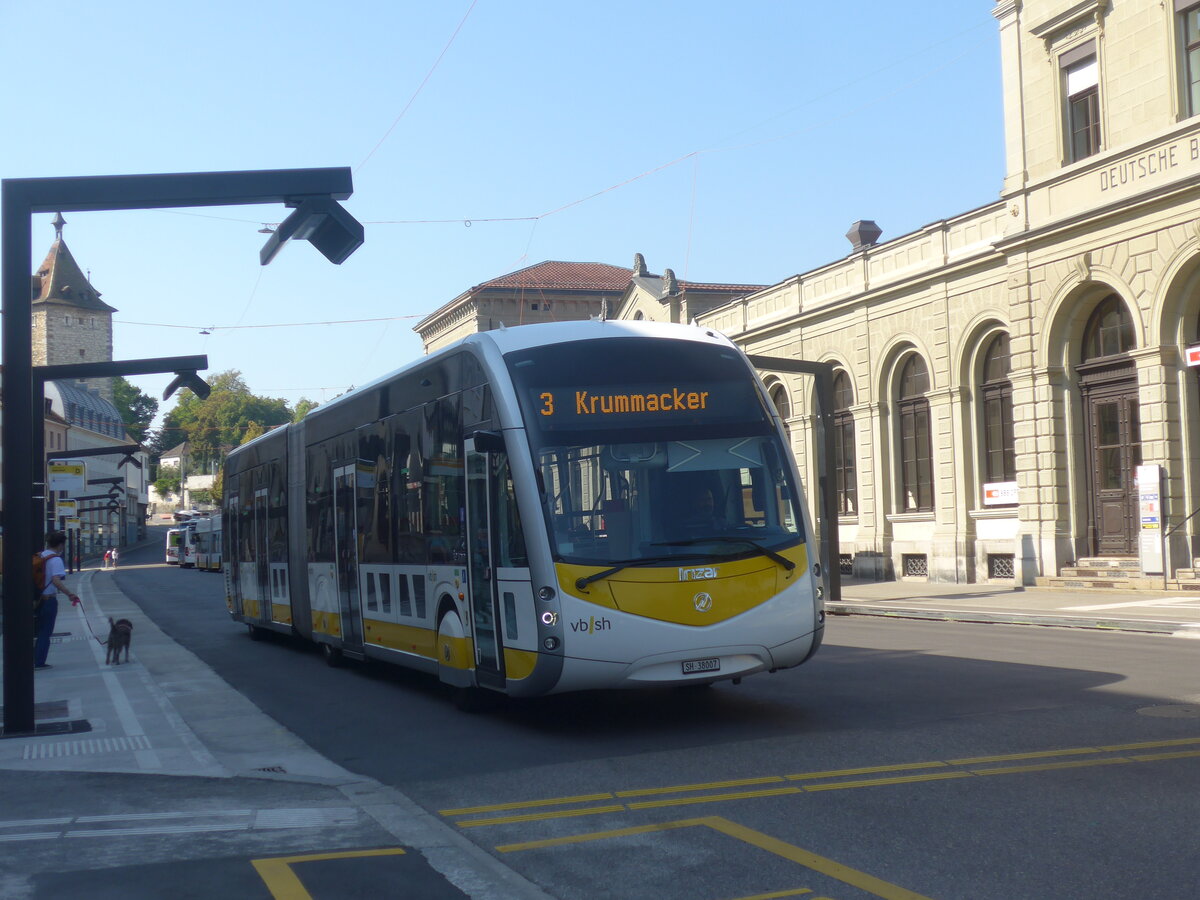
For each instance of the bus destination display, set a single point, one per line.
(602, 406)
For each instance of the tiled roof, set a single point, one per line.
(85, 408)
(554, 275)
(60, 279)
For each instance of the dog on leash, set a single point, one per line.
(119, 635)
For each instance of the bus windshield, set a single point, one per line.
(667, 452)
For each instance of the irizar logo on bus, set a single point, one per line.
(591, 625)
(698, 574)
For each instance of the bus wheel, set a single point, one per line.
(333, 656)
(473, 699)
(256, 633)
(454, 658)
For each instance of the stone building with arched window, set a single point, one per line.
(1001, 374)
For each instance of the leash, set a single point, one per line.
(88, 622)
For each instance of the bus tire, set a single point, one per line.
(473, 699)
(454, 663)
(333, 656)
(256, 633)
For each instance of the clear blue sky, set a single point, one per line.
(762, 130)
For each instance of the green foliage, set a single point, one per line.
(303, 407)
(137, 409)
(215, 426)
(168, 481)
(253, 430)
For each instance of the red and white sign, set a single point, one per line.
(999, 493)
(1192, 355)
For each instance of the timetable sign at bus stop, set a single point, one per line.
(67, 475)
(1150, 544)
(66, 508)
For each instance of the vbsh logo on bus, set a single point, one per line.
(591, 625)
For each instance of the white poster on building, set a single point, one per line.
(1150, 535)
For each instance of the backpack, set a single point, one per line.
(39, 578)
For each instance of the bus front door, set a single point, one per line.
(345, 538)
(481, 577)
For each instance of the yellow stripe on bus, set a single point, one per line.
(415, 639)
(667, 593)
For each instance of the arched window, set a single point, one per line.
(916, 445)
(995, 390)
(843, 445)
(1109, 331)
(783, 406)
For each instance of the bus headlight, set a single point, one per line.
(546, 594)
(550, 643)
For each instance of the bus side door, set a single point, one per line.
(345, 537)
(498, 576)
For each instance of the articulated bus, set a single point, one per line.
(532, 510)
(207, 536)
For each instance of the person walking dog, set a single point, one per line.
(46, 605)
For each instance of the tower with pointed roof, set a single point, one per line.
(71, 324)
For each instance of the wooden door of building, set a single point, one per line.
(1113, 430)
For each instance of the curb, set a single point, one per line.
(987, 617)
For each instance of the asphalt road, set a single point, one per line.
(873, 771)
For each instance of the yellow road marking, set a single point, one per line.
(525, 804)
(1049, 767)
(867, 770)
(869, 883)
(1155, 757)
(775, 894)
(680, 788)
(594, 836)
(740, 795)
(963, 768)
(1147, 745)
(276, 872)
(873, 782)
(537, 817)
(976, 760)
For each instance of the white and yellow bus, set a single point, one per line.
(207, 540)
(534, 510)
(174, 549)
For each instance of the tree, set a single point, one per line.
(253, 430)
(214, 426)
(137, 409)
(303, 407)
(168, 481)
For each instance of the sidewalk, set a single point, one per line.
(166, 713)
(1168, 612)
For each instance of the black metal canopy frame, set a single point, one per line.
(827, 508)
(317, 218)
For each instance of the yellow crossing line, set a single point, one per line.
(809, 860)
(832, 780)
(282, 882)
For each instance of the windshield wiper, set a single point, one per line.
(581, 583)
(766, 551)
